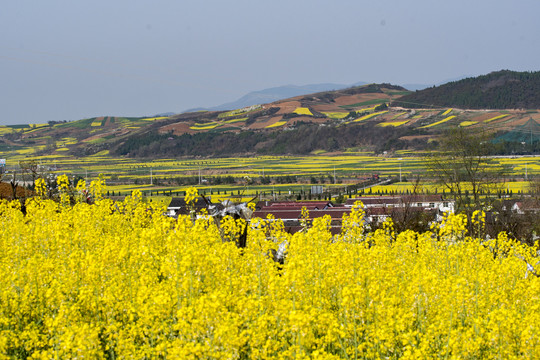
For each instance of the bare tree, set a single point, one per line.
(463, 167)
(29, 167)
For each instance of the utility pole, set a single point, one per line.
(151, 177)
(334, 174)
(400, 169)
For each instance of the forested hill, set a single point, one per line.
(497, 90)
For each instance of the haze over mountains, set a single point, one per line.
(269, 95)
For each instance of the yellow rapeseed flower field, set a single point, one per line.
(205, 127)
(303, 111)
(120, 280)
(336, 114)
(447, 112)
(393, 123)
(155, 118)
(467, 123)
(277, 124)
(496, 118)
(439, 122)
(369, 116)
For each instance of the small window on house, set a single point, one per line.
(445, 204)
(419, 204)
(431, 205)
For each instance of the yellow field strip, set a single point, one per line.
(438, 122)
(393, 123)
(277, 124)
(447, 112)
(496, 118)
(369, 116)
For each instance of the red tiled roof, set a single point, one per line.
(388, 200)
(294, 204)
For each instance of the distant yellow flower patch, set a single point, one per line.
(467, 123)
(303, 111)
(101, 153)
(155, 118)
(447, 112)
(205, 127)
(393, 123)
(496, 118)
(367, 109)
(277, 124)
(25, 151)
(97, 123)
(369, 116)
(235, 120)
(438, 122)
(336, 115)
(5, 130)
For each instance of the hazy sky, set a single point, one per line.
(67, 60)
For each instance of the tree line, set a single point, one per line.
(497, 90)
(303, 139)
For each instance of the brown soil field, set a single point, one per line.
(517, 122)
(93, 137)
(413, 137)
(308, 119)
(486, 116)
(353, 99)
(534, 116)
(328, 108)
(263, 124)
(426, 113)
(287, 107)
(177, 129)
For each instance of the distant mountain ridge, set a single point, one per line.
(503, 89)
(277, 93)
(270, 95)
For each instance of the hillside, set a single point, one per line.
(497, 90)
(360, 118)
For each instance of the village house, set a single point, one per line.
(178, 206)
(377, 209)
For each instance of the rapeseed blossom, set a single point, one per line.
(120, 280)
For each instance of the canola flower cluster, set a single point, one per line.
(120, 280)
